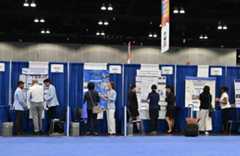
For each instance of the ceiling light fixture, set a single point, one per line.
(100, 22)
(36, 20)
(42, 20)
(97, 33)
(219, 27)
(182, 11)
(26, 4)
(150, 35)
(33, 4)
(48, 31)
(110, 7)
(155, 35)
(225, 27)
(175, 11)
(103, 33)
(106, 23)
(43, 32)
(103, 7)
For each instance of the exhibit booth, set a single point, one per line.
(70, 79)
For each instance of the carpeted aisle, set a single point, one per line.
(121, 146)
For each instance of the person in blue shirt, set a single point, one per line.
(153, 99)
(51, 100)
(19, 106)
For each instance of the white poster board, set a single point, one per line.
(115, 69)
(203, 70)
(237, 93)
(2, 67)
(194, 87)
(57, 68)
(216, 71)
(146, 77)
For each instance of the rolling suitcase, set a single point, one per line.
(191, 129)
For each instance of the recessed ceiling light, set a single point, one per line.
(36, 20)
(33, 4)
(98, 33)
(182, 11)
(103, 33)
(100, 22)
(205, 37)
(201, 37)
(42, 20)
(219, 27)
(106, 23)
(150, 35)
(110, 7)
(155, 35)
(225, 27)
(48, 32)
(43, 32)
(175, 11)
(103, 7)
(26, 4)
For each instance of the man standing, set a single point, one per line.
(51, 100)
(36, 105)
(19, 106)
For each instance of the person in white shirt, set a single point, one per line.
(225, 105)
(36, 105)
(50, 97)
(19, 106)
(111, 107)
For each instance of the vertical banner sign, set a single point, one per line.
(129, 59)
(165, 32)
(237, 93)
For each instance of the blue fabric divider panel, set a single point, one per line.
(75, 88)
(4, 92)
(119, 114)
(60, 81)
(182, 72)
(220, 81)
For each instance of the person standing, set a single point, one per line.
(205, 116)
(133, 107)
(19, 106)
(170, 114)
(92, 98)
(154, 108)
(36, 105)
(50, 97)
(225, 106)
(111, 107)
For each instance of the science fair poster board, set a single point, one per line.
(237, 93)
(146, 77)
(194, 87)
(99, 75)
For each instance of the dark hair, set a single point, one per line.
(206, 89)
(224, 88)
(113, 85)
(170, 87)
(91, 86)
(154, 87)
(132, 86)
(46, 81)
(20, 83)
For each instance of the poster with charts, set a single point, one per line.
(194, 87)
(99, 75)
(144, 80)
(237, 93)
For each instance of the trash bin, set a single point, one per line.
(7, 128)
(75, 129)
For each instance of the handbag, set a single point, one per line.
(96, 108)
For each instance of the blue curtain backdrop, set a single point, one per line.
(182, 72)
(4, 92)
(220, 81)
(60, 81)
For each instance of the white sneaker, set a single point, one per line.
(206, 133)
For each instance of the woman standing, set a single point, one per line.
(170, 99)
(111, 100)
(154, 107)
(133, 107)
(92, 98)
(225, 105)
(205, 122)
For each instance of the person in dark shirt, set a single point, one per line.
(205, 122)
(154, 108)
(92, 98)
(133, 107)
(170, 99)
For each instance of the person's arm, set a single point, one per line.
(112, 96)
(21, 99)
(51, 94)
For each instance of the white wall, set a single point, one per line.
(114, 54)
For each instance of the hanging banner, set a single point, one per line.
(165, 32)
(167, 70)
(2, 67)
(115, 69)
(194, 87)
(237, 93)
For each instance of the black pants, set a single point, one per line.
(92, 122)
(225, 119)
(153, 114)
(52, 114)
(19, 122)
